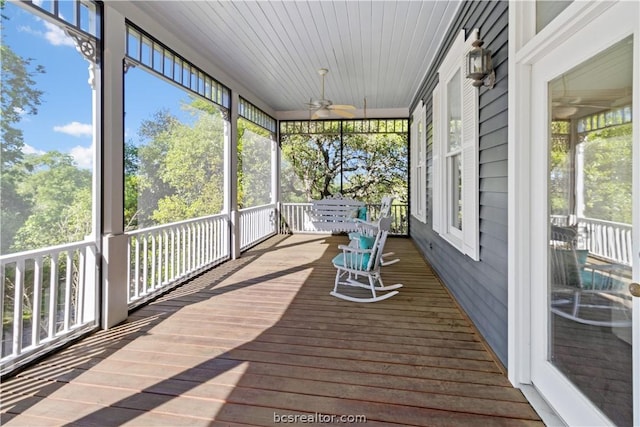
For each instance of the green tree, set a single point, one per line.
(131, 186)
(561, 169)
(254, 165)
(370, 165)
(375, 165)
(18, 97)
(313, 162)
(608, 174)
(179, 172)
(60, 196)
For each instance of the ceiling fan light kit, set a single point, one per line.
(322, 108)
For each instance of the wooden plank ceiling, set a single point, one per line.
(380, 50)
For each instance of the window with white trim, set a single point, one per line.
(455, 152)
(418, 161)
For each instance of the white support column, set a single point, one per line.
(275, 179)
(231, 174)
(90, 307)
(578, 176)
(519, 146)
(114, 242)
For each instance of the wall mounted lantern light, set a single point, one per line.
(479, 66)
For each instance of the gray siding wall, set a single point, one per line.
(479, 287)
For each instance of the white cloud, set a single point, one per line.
(56, 36)
(75, 129)
(27, 149)
(52, 33)
(83, 156)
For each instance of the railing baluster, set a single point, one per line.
(3, 277)
(37, 301)
(130, 283)
(79, 317)
(200, 245)
(173, 252)
(145, 263)
(189, 246)
(53, 296)
(137, 267)
(152, 284)
(166, 257)
(208, 242)
(183, 250)
(67, 291)
(17, 308)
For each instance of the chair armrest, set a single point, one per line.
(366, 223)
(347, 248)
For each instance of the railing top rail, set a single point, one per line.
(44, 251)
(605, 222)
(297, 204)
(257, 208)
(175, 224)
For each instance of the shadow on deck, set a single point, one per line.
(259, 340)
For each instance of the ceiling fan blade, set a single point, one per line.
(342, 107)
(343, 113)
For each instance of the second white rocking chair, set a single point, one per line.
(363, 263)
(369, 229)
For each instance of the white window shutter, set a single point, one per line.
(422, 160)
(470, 167)
(436, 159)
(418, 176)
(414, 162)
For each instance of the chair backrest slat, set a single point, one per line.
(378, 246)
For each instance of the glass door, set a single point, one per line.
(589, 266)
(585, 318)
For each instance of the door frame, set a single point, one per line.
(527, 193)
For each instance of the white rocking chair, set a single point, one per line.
(358, 262)
(369, 229)
(581, 293)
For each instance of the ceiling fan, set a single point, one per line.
(321, 108)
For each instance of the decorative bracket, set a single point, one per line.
(85, 44)
(126, 64)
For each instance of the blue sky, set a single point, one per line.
(64, 120)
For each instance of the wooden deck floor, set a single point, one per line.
(260, 339)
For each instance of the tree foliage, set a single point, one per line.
(561, 169)
(254, 165)
(19, 97)
(176, 172)
(59, 197)
(311, 166)
(375, 165)
(364, 166)
(608, 174)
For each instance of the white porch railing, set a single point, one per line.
(162, 256)
(294, 218)
(608, 240)
(48, 297)
(256, 224)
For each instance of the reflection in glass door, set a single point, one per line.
(590, 227)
